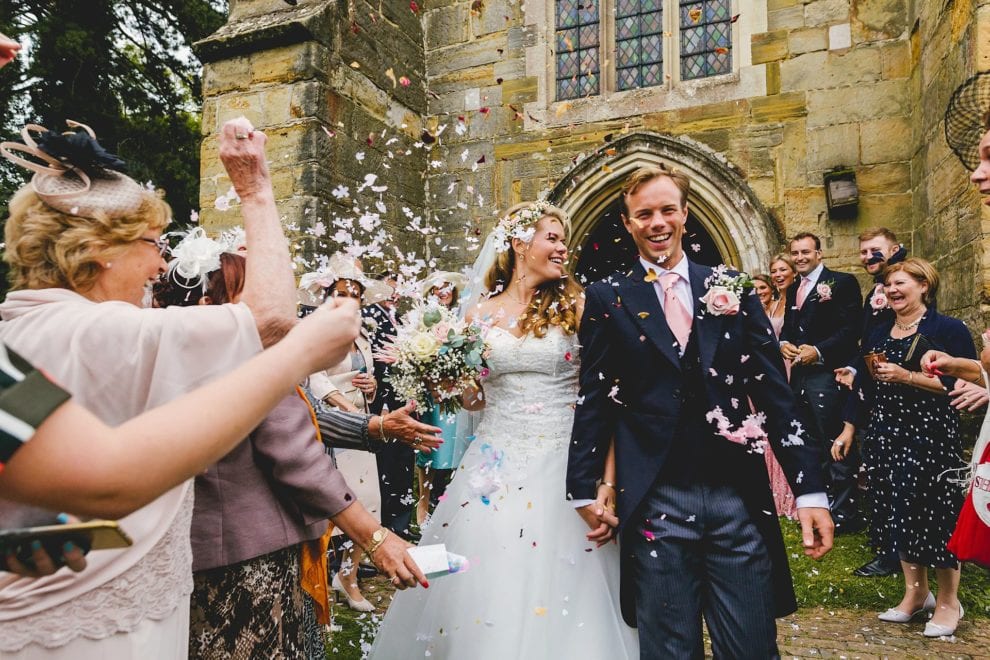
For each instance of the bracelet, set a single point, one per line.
(607, 483)
(381, 428)
(910, 378)
(376, 544)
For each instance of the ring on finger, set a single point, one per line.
(240, 136)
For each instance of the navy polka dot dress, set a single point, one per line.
(913, 443)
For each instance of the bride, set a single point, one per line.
(533, 589)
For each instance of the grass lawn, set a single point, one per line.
(828, 583)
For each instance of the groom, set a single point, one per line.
(667, 377)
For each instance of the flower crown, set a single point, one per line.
(520, 224)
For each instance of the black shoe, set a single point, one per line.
(365, 571)
(879, 566)
(848, 526)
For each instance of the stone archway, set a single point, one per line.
(725, 207)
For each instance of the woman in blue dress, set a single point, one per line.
(433, 468)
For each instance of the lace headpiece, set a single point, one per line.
(966, 119)
(78, 177)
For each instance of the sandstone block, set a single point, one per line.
(786, 18)
(473, 53)
(769, 46)
(832, 146)
(887, 98)
(825, 70)
(884, 140)
(825, 12)
(803, 208)
(807, 40)
(521, 90)
(880, 19)
(885, 178)
(896, 60)
(781, 107)
(447, 26)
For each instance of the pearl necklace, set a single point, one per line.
(909, 326)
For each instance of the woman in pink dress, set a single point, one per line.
(772, 290)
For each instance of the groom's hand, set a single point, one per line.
(601, 522)
(817, 531)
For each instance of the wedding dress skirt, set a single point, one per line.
(536, 588)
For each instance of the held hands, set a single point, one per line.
(402, 426)
(392, 559)
(600, 516)
(242, 151)
(844, 376)
(817, 531)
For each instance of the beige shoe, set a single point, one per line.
(937, 630)
(894, 615)
(361, 605)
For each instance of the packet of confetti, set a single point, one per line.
(435, 561)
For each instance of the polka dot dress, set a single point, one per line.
(912, 441)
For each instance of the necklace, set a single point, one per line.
(521, 302)
(909, 326)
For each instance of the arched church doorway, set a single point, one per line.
(727, 222)
(608, 247)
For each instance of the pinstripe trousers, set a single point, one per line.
(694, 551)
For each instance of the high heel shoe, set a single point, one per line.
(938, 630)
(894, 615)
(358, 605)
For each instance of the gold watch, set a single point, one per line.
(377, 539)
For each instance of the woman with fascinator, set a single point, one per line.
(533, 589)
(84, 246)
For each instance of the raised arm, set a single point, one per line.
(269, 286)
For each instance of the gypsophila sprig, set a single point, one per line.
(724, 291)
(435, 356)
(521, 225)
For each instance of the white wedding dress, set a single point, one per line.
(536, 588)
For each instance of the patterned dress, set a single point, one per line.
(913, 445)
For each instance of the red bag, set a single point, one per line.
(971, 539)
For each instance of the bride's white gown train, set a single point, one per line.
(536, 588)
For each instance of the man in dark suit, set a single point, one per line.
(666, 377)
(395, 459)
(822, 326)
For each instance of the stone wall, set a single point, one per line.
(322, 80)
(818, 84)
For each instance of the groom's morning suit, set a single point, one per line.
(831, 323)
(697, 526)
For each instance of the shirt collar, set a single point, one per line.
(682, 268)
(815, 274)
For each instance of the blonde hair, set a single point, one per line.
(921, 271)
(555, 302)
(786, 258)
(50, 249)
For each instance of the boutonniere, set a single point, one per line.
(725, 291)
(824, 290)
(878, 301)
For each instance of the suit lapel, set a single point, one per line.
(707, 327)
(639, 298)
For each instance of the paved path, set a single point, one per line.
(821, 633)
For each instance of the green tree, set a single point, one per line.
(125, 68)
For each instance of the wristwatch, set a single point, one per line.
(377, 539)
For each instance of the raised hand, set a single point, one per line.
(402, 426)
(242, 151)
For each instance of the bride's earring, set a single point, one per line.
(108, 265)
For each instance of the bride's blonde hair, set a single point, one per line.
(555, 301)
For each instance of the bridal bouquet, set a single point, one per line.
(434, 357)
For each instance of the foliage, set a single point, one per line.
(125, 68)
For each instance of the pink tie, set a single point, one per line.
(678, 318)
(802, 292)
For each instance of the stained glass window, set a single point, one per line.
(638, 43)
(706, 38)
(577, 48)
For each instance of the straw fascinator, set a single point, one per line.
(313, 286)
(76, 175)
(440, 279)
(966, 119)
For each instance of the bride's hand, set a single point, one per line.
(606, 503)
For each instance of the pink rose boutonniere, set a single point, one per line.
(824, 291)
(725, 292)
(878, 301)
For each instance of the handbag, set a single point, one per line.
(970, 540)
